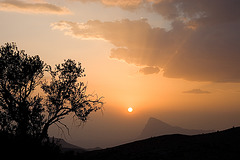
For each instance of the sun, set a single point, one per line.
(130, 109)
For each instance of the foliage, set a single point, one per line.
(23, 112)
(20, 74)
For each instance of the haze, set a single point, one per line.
(177, 61)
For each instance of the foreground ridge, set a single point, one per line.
(217, 145)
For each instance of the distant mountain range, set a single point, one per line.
(174, 143)
(220, 145)
(155, 127)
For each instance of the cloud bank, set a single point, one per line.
(40, 7)
(197, 91)
(203, 44)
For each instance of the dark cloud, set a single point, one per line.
(203, 44)
(203, 11)
(26, 7)
(211, 52)
(197, 91)
(149, 70)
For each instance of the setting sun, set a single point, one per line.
(130, 109)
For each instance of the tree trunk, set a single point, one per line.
(23, 121)
(44, 133)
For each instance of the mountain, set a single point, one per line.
(220, 145)
(155, 127)
(65, 146)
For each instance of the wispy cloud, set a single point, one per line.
(36, 7)
(197, 91)
(125, 4)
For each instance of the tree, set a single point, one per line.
(66, 95)
(23, 112)
(20, 74)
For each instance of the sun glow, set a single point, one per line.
(130, 109)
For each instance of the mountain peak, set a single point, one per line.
(155, 120)
(152, 118)
(156, 127)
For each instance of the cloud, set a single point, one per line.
(136, 41)
(125, 4)
(203, 44)
(197, 91)
(149, 70)
(211, 51)
(37, 7)
(204, 11)
(185, 9)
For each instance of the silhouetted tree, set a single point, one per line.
(20, 74)
(66, 95)
(23, 112)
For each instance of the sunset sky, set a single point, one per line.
(175, 60)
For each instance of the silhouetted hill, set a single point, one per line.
(27, 148)
(223, 145)
(65, 146)
(94, 149)
(155, 127)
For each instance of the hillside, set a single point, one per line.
(155, 127)
(65, 146)
(218, 145)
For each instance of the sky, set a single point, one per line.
(175, 60)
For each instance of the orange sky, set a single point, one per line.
(177, 61)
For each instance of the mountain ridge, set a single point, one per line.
(66, 146)
(219, 145)
(155, 127)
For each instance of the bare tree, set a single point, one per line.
(65, 95)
